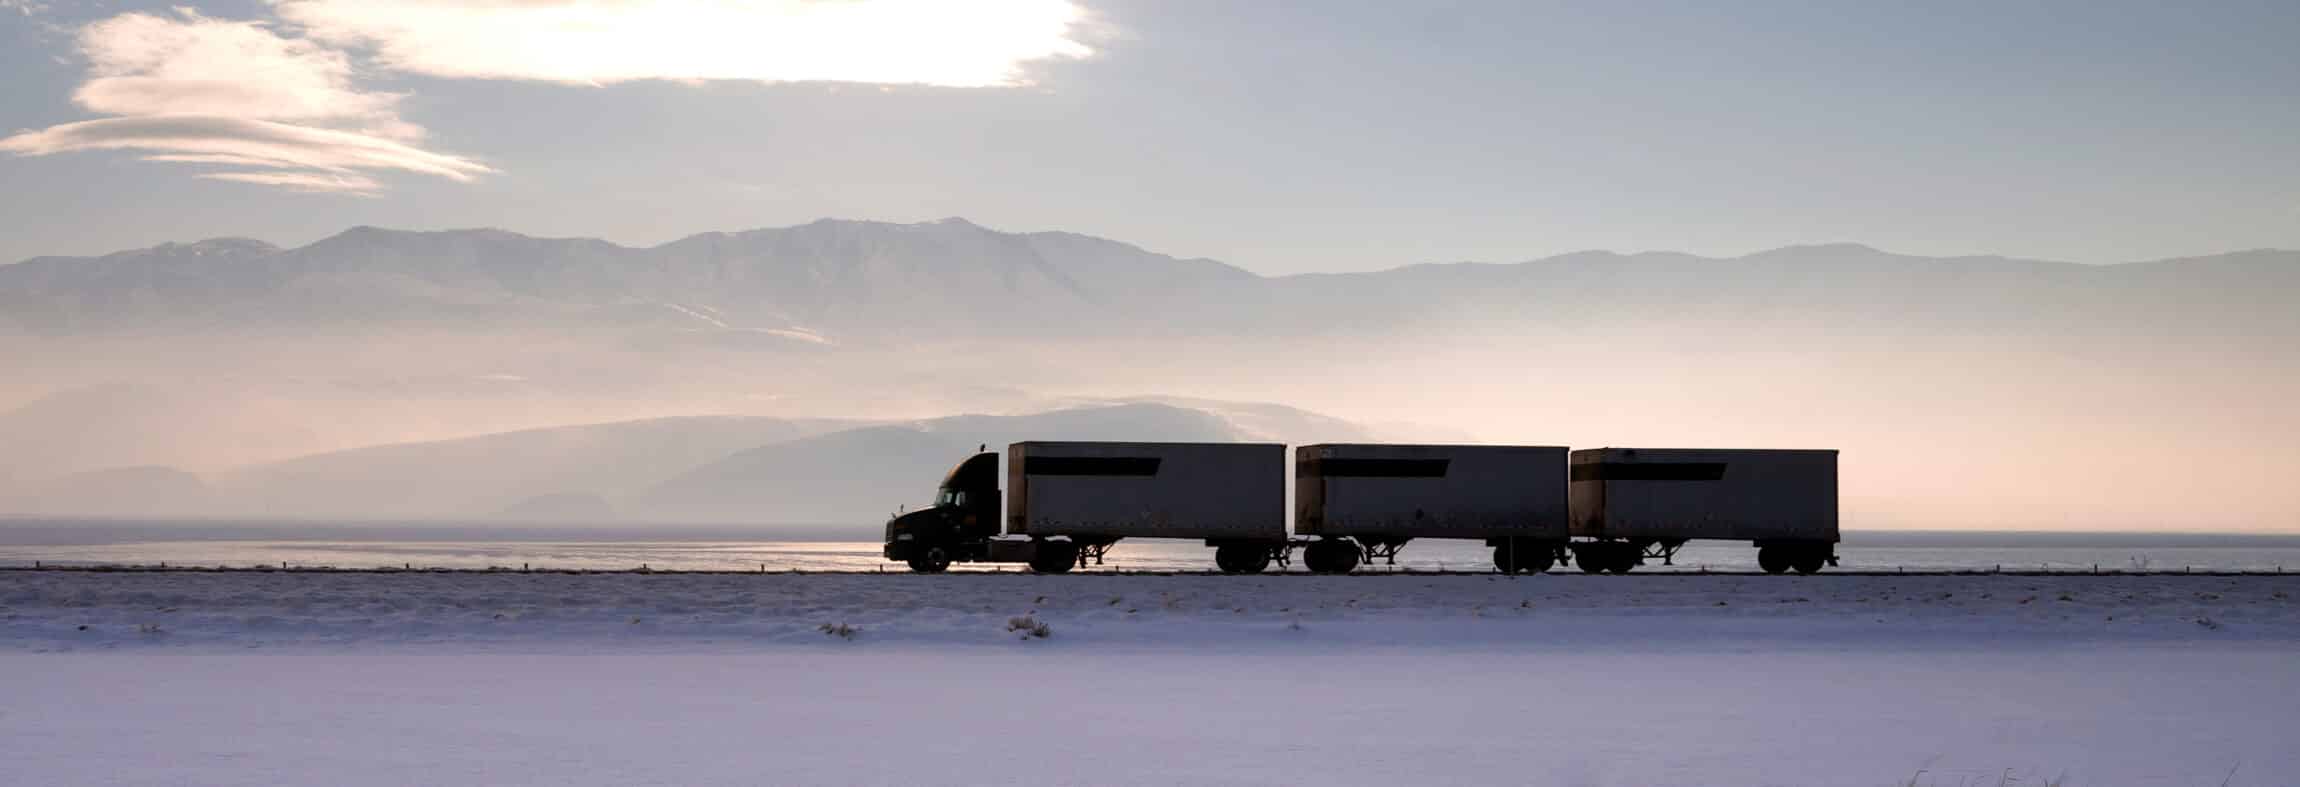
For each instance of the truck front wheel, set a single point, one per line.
(931, 560)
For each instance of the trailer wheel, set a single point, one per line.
(1054, 557)
(1591, 558)
(1772, 560)
(932, 560)
(1808, 561)
(1241, 558)
(1623, 559)
(1531, 559)
(1333, 556)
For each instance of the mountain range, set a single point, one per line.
(834, 281)
(682, 470)
(487, 373)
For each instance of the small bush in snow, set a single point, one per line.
(839, 630)
(2208, 623)
(1029, 627)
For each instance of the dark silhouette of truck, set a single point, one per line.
(1607, 510)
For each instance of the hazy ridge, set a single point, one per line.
(485, 373)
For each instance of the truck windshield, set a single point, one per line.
(950, 497)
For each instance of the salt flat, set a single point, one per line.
(244, 678)
(48, 610)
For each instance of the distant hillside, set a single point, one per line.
(122, 491)
(670, 470)
(861, 475)
(534, 473)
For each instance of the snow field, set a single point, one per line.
(365, 679)
(49, 610)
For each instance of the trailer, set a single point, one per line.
(1633, 504)
(1358, 502)
(1068, 502)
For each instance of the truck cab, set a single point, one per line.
(960, 524)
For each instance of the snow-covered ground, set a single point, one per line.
(306, 678)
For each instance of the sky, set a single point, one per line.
(1283, 137)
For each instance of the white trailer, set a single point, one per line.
(1360, 501)
(1637, 503)
(1230, 495)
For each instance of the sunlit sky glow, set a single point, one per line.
(1346, 135)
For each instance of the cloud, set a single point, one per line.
(927, 42)
(280, 104)
(211, 92)
(141, 64)
(306, 158)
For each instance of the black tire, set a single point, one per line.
(1543, 559)
(1623, 559)
(1505, 559)
(1054, 557)
(1773, 560)
(1526, 558)
(1332, 556)
(1241, 558)
(1809, 561)
(1591, 558)
(931, 560)
(1314, 557)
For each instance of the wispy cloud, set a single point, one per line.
(278, 103)
(309, 159)
(190, 89)
(925, 42)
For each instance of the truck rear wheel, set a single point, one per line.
(1054, 557)
(1773, 560)
(931, 560)
(1241, 558)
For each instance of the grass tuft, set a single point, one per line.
(1029, 627)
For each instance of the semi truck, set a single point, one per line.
(1068, 503)
(1608, 509)
(1358, 502)
(1634, 504)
